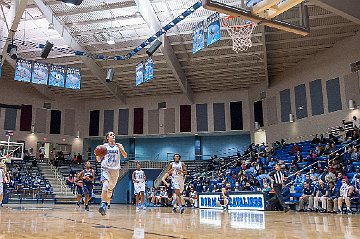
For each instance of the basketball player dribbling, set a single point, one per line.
(88, 177)
(178, 170)
(110, 166)
(138, 178)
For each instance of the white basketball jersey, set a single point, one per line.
(177, 168)
(112, 159)
(139, 176)
(344, 190)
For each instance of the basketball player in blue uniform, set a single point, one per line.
(178, 170)
(88, 177)
(138, 178)
(110, 166)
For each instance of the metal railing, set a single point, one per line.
(59, 178)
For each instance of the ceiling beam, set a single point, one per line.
(348, 9)
(263, 39)
(149, 15)
(98, 72)
(15, 14)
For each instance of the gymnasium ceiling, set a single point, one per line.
(177, 70)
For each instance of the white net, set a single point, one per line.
(240, 32)
(11, 150)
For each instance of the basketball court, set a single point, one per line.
(64, 221)
(259, 40)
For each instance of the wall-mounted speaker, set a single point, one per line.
(47, 106)
(46, 50)
(162, 105)
(154, 47)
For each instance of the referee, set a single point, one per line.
(277, 179)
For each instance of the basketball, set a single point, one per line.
(100, 151)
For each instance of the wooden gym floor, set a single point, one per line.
(70, 222)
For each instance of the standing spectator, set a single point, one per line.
(41, 153)
(307, 196)
(356, 123)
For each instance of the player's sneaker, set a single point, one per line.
(143, 207)
(86, 207)
(78, 204)
(108, 206)
(174, 209)
(182, 209)
(102, 209)
(348, 211)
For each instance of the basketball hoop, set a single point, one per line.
(240, 31)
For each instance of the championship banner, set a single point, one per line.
(23, 70)
(57, 75)
(139, 73)
(73, 78)
(213, 29)
(40, 73)
(198, 37)
(237, 201)
(149, 69)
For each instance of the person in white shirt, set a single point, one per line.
(356, 122)
(2, 176)
(138, 178)
(110, 166)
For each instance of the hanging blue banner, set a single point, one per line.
(40, 73)
(213, 29)
(139, 73)
(73, 78)
(57, 76)
(198, 37)
(23, 70)
(149, 69)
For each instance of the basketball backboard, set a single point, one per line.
(263, 12)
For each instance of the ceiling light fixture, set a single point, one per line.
(111, 41)
(71, 3)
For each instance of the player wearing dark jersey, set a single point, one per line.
(88, 177)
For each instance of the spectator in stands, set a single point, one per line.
(307, 196)
(298, 157)
(272, 163)
(315, 141)
(311, 156)
(328, 150)
(266, 188)
(198, 185)
(308, 179)
(332, 200)
(285, 192)
(299, 179)
(41, 153)
(319, 149)
(347, 155)
(193, 198)
(349, 167)
(355, 155)
(356, 123)
(295, 149)
(339, 179)
(345, 193)
(294, 167)
(224, 198)
(322, 139)
(321, 194)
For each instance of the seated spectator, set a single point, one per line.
(345, 193)
(319, 149)
(339, 179)
(328, 150)
(266, 188)
(193, 198)
(295, 149)
(332, 200)
(307, 196)
(333, 139)
(315, 141)
(311, 156)
(321, 195)
(355, 155)
(347, 155)
(294, 167)
(299, 179)
(308, 179)
(323, 140)
(349, 168)
(298, 157)
(286, 192)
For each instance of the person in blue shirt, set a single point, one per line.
(299, 179)
(307, 196)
